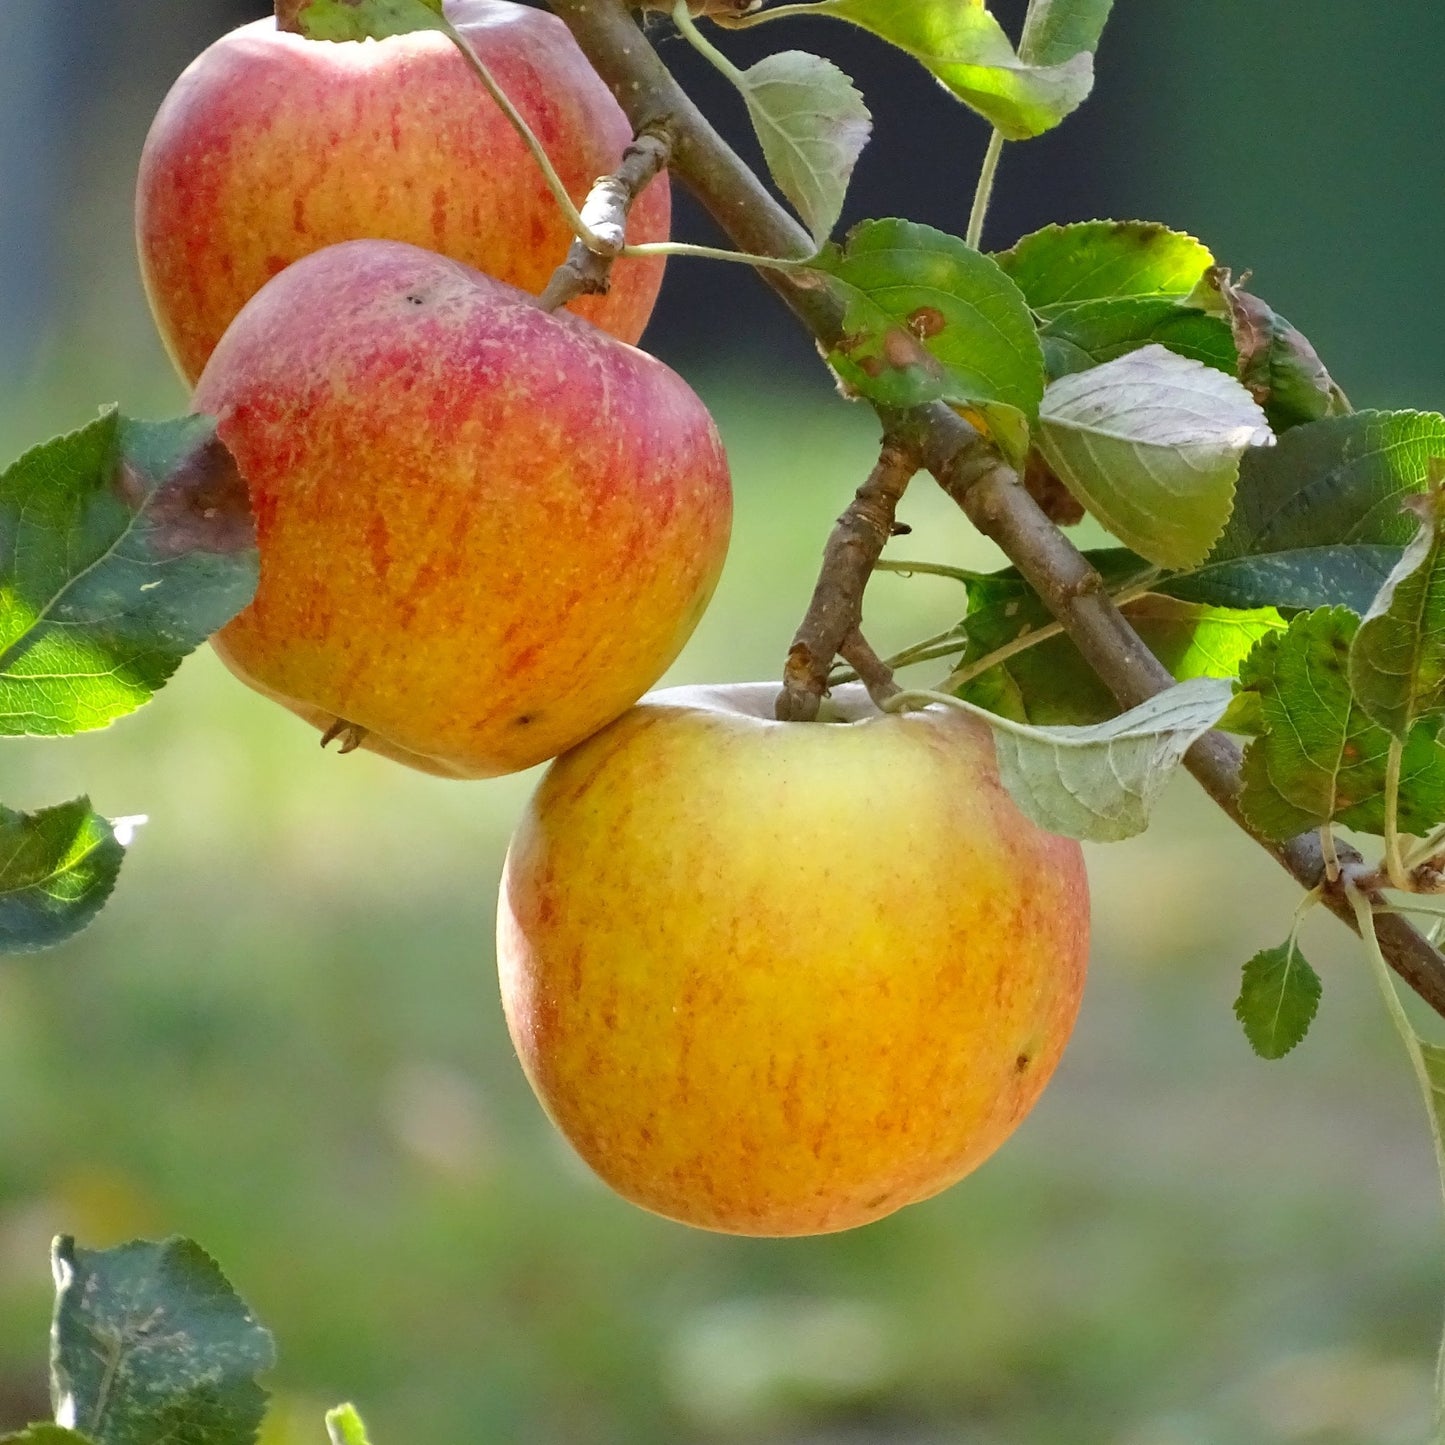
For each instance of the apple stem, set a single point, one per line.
(833, 622)
(580, 228)
(587, 272)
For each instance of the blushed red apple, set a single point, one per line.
(484, 530)
(785, 978)
(271, 146)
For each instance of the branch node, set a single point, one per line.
(588, 271)
(835, 612)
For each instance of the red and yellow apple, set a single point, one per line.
(785, 978)
(484, 530)
(271, 146)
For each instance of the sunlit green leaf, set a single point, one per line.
(1397, 660)
(812, 125)
(1279, 996)
(969, 52)
(1061, 267)
(1151, 445)
(928, 318)
(151, 1343)
(345, 1426)
(366, 19)
(1051, 684)
(57, 868)
(1321, 758)
(123, 546)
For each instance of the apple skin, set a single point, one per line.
(484, 530)
(785, 978)
(271, 146)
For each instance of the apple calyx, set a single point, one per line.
(351, 735)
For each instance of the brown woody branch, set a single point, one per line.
(835, 613)
(968, 468)
(588, 272)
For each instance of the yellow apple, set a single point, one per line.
(484, 530)
(785, 978)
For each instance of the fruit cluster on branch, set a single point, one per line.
(969, 469)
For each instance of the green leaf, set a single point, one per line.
(57, 868)
(1098, 331)
(1317, 518)
(1310, 577)
(1321, 759)
(1100, 783)
(1050, 683)
(1432, 1056)
(345, 1426)
(366, 19)
(1337, 481)
(1151, 445)
(1276, 362)
(46, 1434)
(812, 125)
(928, 318)
(1397, 660)
(1061, 267)
(969, 53)
(1057, 29)
(1279, 996)
(123, 546)
(151, 1343)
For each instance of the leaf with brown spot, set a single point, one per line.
(1320, 758)
(123, 546)
(1277, 363)
(928, 318)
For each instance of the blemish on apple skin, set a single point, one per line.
(1021, 1063)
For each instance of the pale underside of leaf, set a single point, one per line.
(1100, 783)
(1150, 444)
(812, 125)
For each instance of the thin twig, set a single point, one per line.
(588, 272)
(835, 612)
(987, 489)
(875, 674)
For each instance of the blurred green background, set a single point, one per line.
(283, 1036)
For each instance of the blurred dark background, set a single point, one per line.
(283, 1036)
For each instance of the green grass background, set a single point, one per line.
(283, 1037)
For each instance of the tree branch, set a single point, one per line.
(968, 468)
(586, 272)
(835, 613)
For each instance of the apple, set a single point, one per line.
(271, 146)
(484, 530)
(785, 978)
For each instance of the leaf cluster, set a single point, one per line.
(123, 546)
